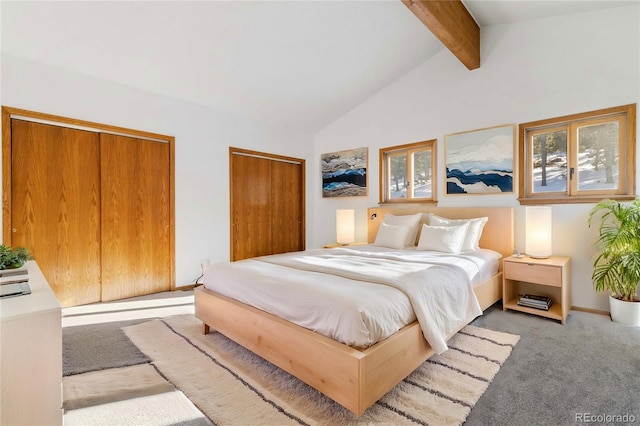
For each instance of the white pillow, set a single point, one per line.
(392, 236)
(472, 238)
(410, 220)
(425, 220)
(448, 239)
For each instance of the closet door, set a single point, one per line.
(287, 206)
(136, 250)
(55, 206)
(267, 204)
(250, 206)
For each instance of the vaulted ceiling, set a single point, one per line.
(300, 64)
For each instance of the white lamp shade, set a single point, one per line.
(538, 231)
(345, 226)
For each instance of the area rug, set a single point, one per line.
(232, 386)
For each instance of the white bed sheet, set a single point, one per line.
(355, 312)
(479, 265)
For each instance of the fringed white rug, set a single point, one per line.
(232, 386)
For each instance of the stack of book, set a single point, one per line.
(14, 282)
(535, 301)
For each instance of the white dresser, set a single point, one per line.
(31, 355)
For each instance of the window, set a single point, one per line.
(579, 158)
(407, 173)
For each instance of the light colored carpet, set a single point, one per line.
(232, 386)
(100, 387)
(169, 408)
(132, 395)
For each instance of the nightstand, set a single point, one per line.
(549, 277)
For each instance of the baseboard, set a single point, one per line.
(591, 311)
(186, 287)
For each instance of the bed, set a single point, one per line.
(355, 377)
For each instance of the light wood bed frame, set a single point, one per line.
(354, 378)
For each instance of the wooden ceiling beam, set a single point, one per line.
(451, 22)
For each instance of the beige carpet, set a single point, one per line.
(232, 386)
(131, 395)
(101, 387)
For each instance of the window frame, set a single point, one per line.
(408, 150)
(530, 147)
(626, 117)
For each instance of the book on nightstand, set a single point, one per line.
(535, 301)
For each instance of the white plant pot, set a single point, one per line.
(625, 312)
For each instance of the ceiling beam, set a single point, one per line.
(451, 22)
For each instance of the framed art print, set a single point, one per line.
(480, 161)
(344, 173)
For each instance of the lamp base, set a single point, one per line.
(538, 257)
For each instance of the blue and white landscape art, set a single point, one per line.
(480, 162)
(344, 173)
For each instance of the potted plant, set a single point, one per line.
(13, 258)
(617, 263)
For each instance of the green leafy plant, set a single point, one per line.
(617, 264)
(13, 258)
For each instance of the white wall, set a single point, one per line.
(202, 139)
(531, 70)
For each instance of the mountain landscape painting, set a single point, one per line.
(480, 161)
(344, 173)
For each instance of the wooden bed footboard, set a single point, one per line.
(353, 378)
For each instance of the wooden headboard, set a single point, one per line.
(497, 234)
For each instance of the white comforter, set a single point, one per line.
(357, 295)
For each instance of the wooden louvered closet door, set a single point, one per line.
(55, 211)
(136, 250)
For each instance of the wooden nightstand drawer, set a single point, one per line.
(533, 273)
